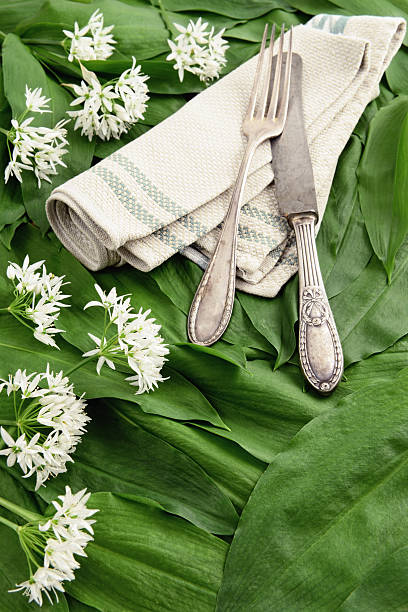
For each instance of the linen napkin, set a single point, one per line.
(168, 190)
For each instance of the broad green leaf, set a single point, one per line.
(328, 510)
(253, 30)
(371, 314)
(384, 588)
(13, 564)
(12, 12)
(139, 30)
(21, 68)
(385, 215)
(379, 367)
(275, 318)
(397, 73)
(343, 230)
(148, 560)
(239, 9)
(76, 606)
(315, 7)
(263, 408)
(233, 469)
(142, 465)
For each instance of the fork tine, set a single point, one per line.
(252, 99)
(276, 79)
(266, 83)
(283, 106)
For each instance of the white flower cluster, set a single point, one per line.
(38, 298)
(198, 50)
(39, 149)
(61, 537)
(49, 426)
(93, 41)
(109, 110)
(135, 341)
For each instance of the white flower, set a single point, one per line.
(38, 298)
(45, 580)
(98, 45)
(51, 424)
(58, 539)
(135, 341)
(108, 111)
(36, 102)
(19, 450)
(39, 149)
(198, 51)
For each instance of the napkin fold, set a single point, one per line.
(168, 190)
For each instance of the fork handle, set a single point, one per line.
(320, 351)
(211, 308)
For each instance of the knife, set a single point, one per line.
(320, 352)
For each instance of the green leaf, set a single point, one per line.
(21, 68)
(142, 465)
(239, 9)
(263, 408)
(343, 230)
(233, 469)
(397, 73)
(139, 29)
(379, 367)
(13, 11)
(385, 215)
(253, 30)
(330, 508)
(148, 560)
(370, 314)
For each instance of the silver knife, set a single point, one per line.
(320, 351)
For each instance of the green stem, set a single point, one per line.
(2, 35)
(3, 131)
(80, 364)
(5, 422)
(9, 523)
(23, 512)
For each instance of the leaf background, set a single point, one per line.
(234, 437)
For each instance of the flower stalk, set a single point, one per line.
(51, 544)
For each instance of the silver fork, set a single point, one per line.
(212, 305)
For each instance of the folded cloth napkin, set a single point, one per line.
(168, 190)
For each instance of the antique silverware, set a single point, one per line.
(320, 351)
(212, 305)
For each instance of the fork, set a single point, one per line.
(211, 308)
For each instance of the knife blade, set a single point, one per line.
(291, 161)
(320, 351)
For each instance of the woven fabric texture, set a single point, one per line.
(168, 190)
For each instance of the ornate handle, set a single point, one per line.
(320, 352)
(211, 308)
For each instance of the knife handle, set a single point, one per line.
(320, 351)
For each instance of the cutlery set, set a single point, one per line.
(275, 113)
